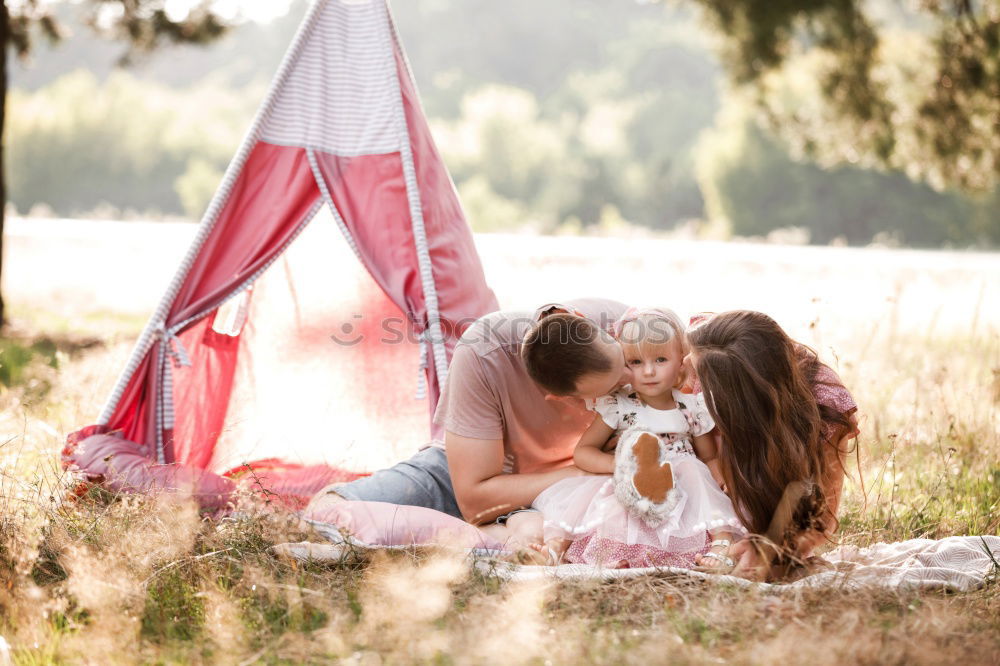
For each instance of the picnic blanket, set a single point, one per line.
(958, 563)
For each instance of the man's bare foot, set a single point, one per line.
(652, 480)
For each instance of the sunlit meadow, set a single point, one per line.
(129, 579)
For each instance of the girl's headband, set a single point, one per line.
(633, 314)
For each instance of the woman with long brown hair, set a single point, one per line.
(785, 421)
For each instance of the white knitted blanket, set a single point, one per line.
(957, 564)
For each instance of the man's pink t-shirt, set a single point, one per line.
(489, 395)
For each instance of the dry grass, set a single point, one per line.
(126, 580)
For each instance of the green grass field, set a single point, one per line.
(140, 580)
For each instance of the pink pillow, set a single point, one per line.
(384, 524)
(123, 466)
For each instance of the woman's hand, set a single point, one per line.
(751, 562)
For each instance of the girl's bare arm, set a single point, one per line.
(589, 455)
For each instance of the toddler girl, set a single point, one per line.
(663, 506)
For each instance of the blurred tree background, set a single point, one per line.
(142, 25)
(575, 116)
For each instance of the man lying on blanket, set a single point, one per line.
(506, 439)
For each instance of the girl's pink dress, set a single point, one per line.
(586, 511)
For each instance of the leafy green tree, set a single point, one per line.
(617, 132)
(143, 25)
(753, 187)
(934, 113)
(76, 151)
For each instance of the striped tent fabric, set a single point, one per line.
(323, 291)
(336, 110)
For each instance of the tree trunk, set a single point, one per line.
(4, 40)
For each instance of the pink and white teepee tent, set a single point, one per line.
(332, 263)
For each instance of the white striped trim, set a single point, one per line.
(168, 392)
(176, 328)
(341, 97)
(159, 316)
(421, 393)
(417, 220)
(158, 412)
(321, 184)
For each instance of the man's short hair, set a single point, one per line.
(560, 349)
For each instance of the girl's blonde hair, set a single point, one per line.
(649, 330)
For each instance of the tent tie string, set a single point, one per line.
(174, 346)
(422, 368)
